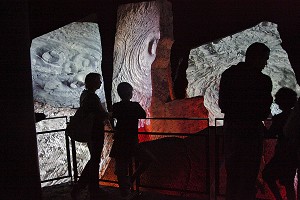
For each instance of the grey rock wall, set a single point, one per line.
(207, 63)
(138, 32)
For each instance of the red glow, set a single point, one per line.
(143, 138)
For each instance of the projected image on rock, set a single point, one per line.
(60, 61)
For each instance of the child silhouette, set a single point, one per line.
(126, 143)
(282, 166)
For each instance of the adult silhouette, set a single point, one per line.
(245, 99)
(90, 103)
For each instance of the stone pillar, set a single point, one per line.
(19, 171)
(107, 18)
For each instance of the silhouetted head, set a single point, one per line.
(125, 91)
(285, 98)
(257, 55)
(92, 81)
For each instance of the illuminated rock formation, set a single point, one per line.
(138, 32)
(62, 58)
(207, 62)
(60, 61)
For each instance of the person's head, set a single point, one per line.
(257, 55)
(285, 98)
(125, 91)
(92, 81)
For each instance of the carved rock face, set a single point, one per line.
(135, 49)
(60, 61)
(62, 58)
(207, 62)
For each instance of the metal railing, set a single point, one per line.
(67, 150)
(213, 152)
(206, 137)
(72, 162)
(218, 141)
(218, 156)
(207, 156)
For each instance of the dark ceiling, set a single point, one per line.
(206, 20)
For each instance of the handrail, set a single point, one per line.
(51, 131)
(217, 161)
(75, 172)
(212, 155)
(208, 180)
(55, 130)
(67, 149)
(176, 118)
(162, 133)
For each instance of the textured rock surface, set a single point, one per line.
(207, 62)
(162, 107)
(62, 58)
(52, 146)
(135, 49)
(60, 61)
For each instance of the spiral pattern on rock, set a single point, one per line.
(135, 49)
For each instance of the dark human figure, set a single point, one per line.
(126, 144)
(291, 131)
(90, 102)
(245, 99)
(282, 166)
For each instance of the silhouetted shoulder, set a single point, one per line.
(128, 109)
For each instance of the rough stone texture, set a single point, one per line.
(162, 107)
(207, 62)
(52, 146)
(62, 58)
(135, 49)
(60, 61)
(143, 60)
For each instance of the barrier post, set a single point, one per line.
(212, 164)
(68, 157)
(74, 161)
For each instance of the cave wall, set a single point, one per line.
(144, 38)
(61, 59)
(16, 67)
(207, 63)
(136, 40)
